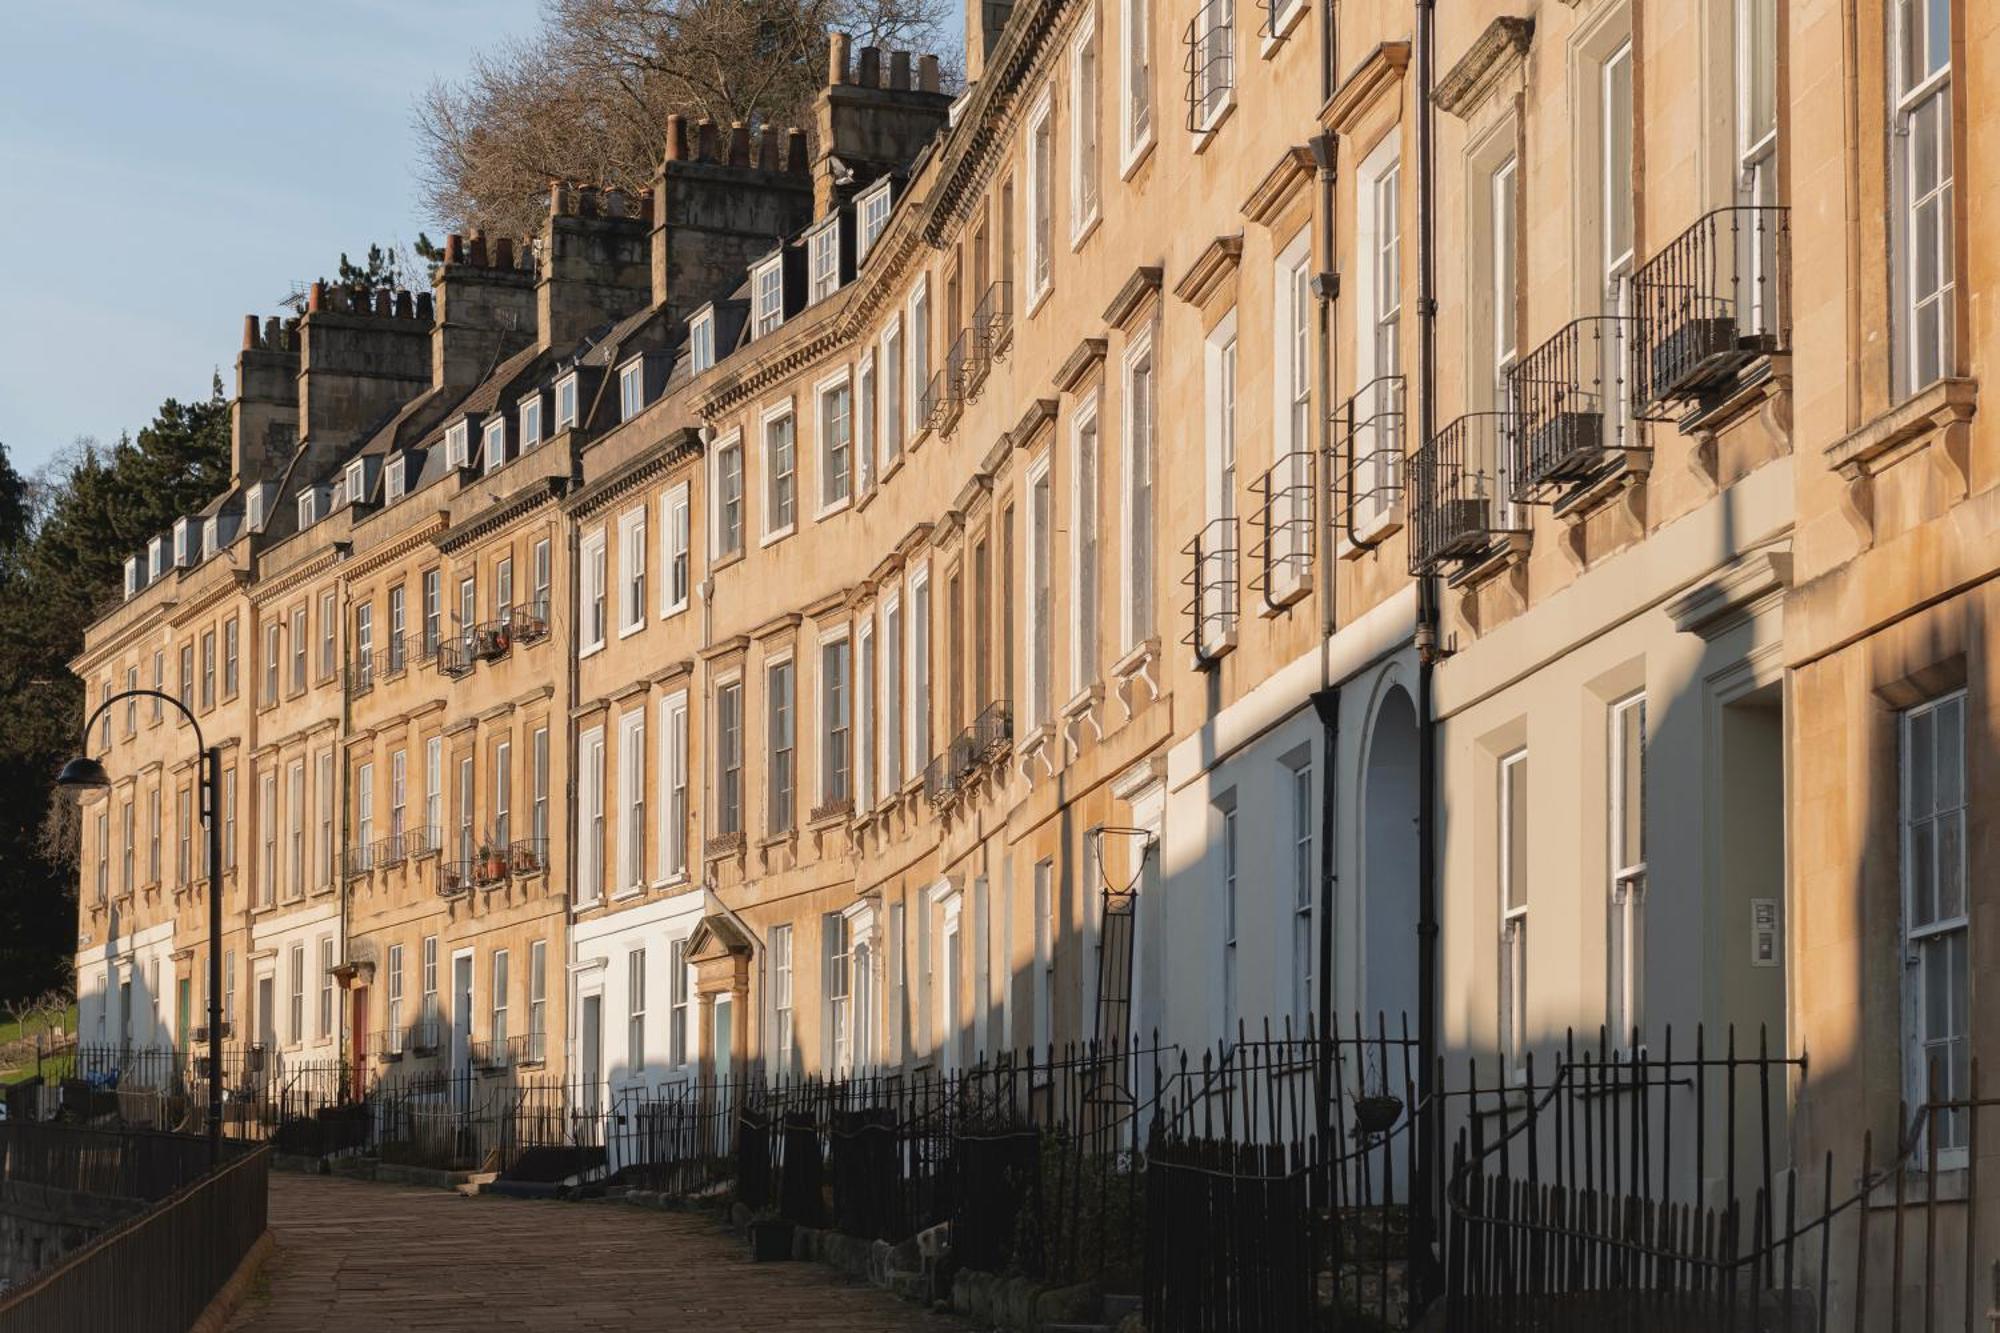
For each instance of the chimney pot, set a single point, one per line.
(249, 332)
(274, 334)
(454, 249)
(677, 145)
(767, 148)
(615, 203)
(899, 71)
(424, 306)
(739, 144)
(795, 152)
(587, 201)
(928, 79)
(707, 135)
(871, 67)
(404, 308)
(385, 302)
(503, 252)
(838, 46)
(478, 256)
(316, 296)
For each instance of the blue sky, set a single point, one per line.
(168, 166)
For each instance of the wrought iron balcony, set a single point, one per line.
(360, 675)
(426, 1038)
(1214, 607)
(454, 658)
(393, 659)
(1210, 62)
(455, 878)
(993, 322)
(1369, 440)
(938, 407)
(529, 621)
(1715, 299)
(490, 640)
(400, 847)
(492, 865)
(355, 862)
(1286, 520)
(940, 782)
(1572, 412)
(528, 856)
(838, 808)
(1457, 508)
(491, 1056)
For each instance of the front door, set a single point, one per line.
(461, 1011)
(358, 1046)
(590, 1064)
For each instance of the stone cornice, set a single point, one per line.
(1211, 268)
(1378, 74)
(684, 443)
(545, 491)
(1466, 85)
(1130, 302)
(1287, 176)
(390, 552)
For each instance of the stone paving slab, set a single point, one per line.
(363, 1256)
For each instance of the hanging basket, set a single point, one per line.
(1377, 1113)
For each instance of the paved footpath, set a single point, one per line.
(363, 1256)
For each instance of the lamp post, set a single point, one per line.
(85, 773)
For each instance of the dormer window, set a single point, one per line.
(135, 576)
(496, 443)
(701, 341)
(255, 503)
(631, 389)
(566, 402)
(458, 444)
(211, 536)
(873, 210)
(156, 558)
(767, 281)
(357, 481)
(823, 260)
(183, 542)
(394, 481)
(531, 422)
(308, 507)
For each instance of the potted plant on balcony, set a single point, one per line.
(492, 861)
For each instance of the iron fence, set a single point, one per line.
(1713, 300)
(1213, 603)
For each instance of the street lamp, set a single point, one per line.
(85, 773)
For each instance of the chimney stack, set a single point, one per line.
(874, 123)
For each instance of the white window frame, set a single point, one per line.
(676, 551)
(783, 1038)
(1305, 894)
(1930, 94)
(701, 341)
(393, 487)
(493, 443)
(1215, 625)
(395, 1000)
(781, 483)
(632, 560)
(767, 296)
(530, 421)
(1626, 889)
(674, 787)
(835, 713)
(917, 346)
(1512, 797)
(823, 261)
(1086, 545)
(895, 634)
(917, 633)
(1138, 114)
(591, 612)
(720, 525)
(1139, 596)
(894, 395)
(590, 817)
(1933, 838)
(872, 208)
(434, 786)
(724, 816)
(835, 388)
(1215, 43)
(781, 745)
(1086, 147)
(1286, 569)
(1378, 449)
(632, 388)
(1041, 587)
(457, 444)
(631, 803)
(566, 402)
(1039, 243)
(866, 671)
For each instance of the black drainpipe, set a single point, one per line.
(1326, 699)
(1430, 1145)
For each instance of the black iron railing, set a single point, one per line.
(528, 856)
(528, 621)
(1715, 299)
(993, 323)
(1369, 443)
(940, 782)
(1457, 509)
(1572, 409)
(354, 862)
(1210, 62)
(1213, 604)
(1287, 518)
(455, 878)
(454, 658)
(360, 675)
(490, 640)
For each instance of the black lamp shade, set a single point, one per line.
(83, 772)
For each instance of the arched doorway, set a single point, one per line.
(1389, 864)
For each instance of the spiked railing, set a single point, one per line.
(1713, 300)
(1571, 408)
(1457, 509)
